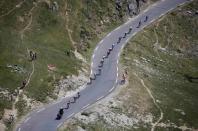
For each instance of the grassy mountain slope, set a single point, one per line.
(165, 56)
(53, 30)
(161, 89)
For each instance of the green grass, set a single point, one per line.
(48, 38)
(166, 78)
(85, 22)
(21, 106)
(100, 125)
(47, 35)
(4, 104)
(164, 73)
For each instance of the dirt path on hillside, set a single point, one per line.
(154, 101)
(30, 76)
(173, 125)
(11, 10)
(66, 25)
(65, 16)
(22, 38)
(27, 27)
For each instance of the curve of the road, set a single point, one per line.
(44, 118)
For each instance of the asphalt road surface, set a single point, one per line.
(44, 118)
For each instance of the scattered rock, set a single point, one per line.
(51, 67)
(2, 126)
(180, 111)
(80, 129)
(79, 56)
(71, 85)
(9, 115)
(16, 68)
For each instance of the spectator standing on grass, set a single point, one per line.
(35, 56)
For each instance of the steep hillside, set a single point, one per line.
(162, 78)
(40, 42)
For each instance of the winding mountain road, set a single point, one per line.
(44, 118)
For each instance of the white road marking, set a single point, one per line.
(59, 124)
(117, 70)
(161, 15)
(117, 74)
(116, 80)
(144, 26)
(19, 129)
(100, 98)
(117, 28)
(154, 4)
(108, 34)
(126, 41)
(101, 41)
(27, 119)
(119, 54)
(111, 89)
(131, 19)
(145, 10)
(171, 9)
(96, 48)
(91, 72)
(117, 61)
(70, 115)
(54, 103)
(152, 21)
(134, 34)
(85, 106)
(93, 56)
(41, 109)
(91, 64)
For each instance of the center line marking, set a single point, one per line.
(19, 129)
(85, 106)
(100, 98)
